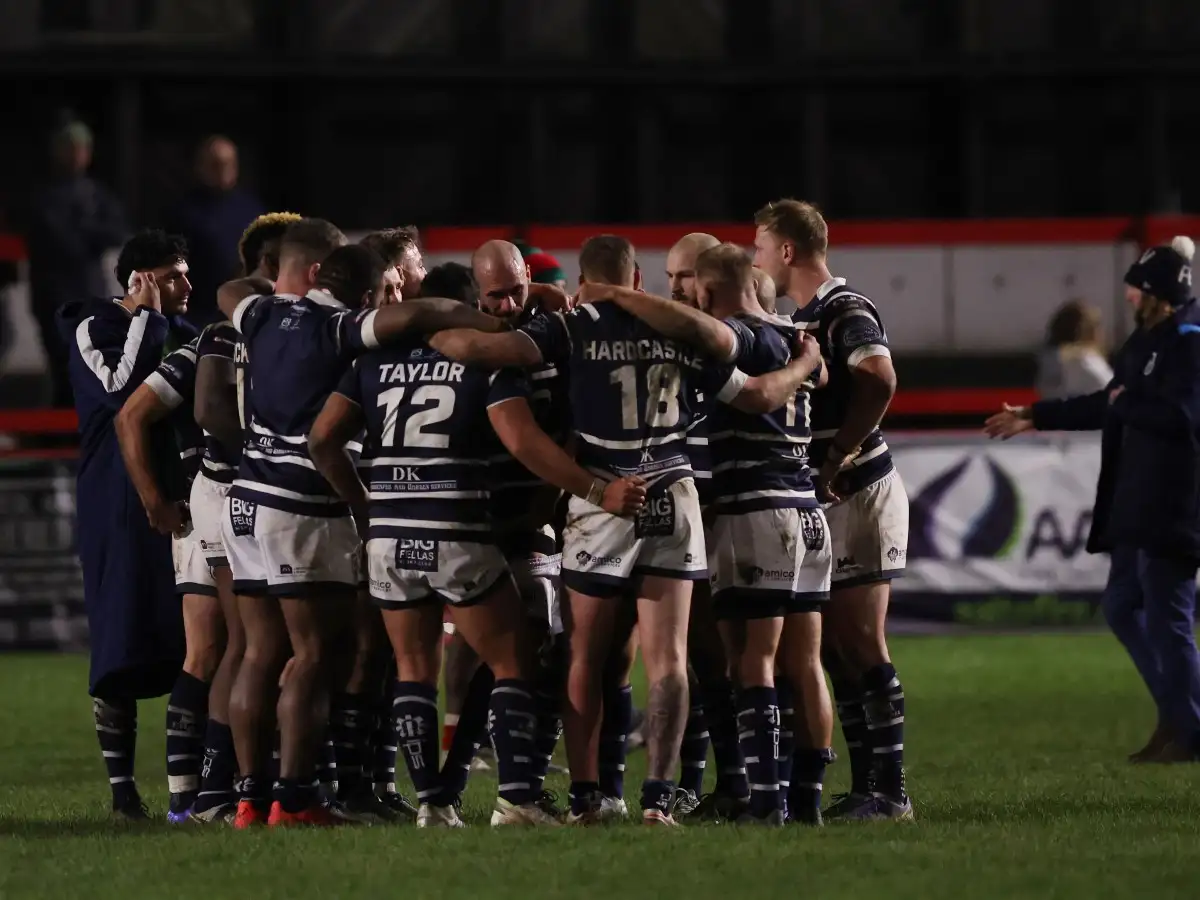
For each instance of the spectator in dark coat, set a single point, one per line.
(1148, 499)
(71, 222)
(212, 217)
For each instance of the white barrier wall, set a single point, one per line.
(954, 299)
(933, 298)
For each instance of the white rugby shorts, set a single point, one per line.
(770, 562)
(603, 553)
(869, 530)
(410, 571)
(207, 503)
(538, 578)
(192, 574)
(284, 554)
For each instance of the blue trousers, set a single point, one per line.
(1150, 604)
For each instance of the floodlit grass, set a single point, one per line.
(1016, 763)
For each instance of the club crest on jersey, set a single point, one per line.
(417, 555)
(656, 518)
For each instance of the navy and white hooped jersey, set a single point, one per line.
(633, 391)
(174, 383)
(849, 329)
(298, 349)
(222, 340)
(761, 461)
(545, 390)
(426, 451)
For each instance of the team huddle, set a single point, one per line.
(366, 452)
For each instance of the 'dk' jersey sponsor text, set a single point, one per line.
(633, 392)
(428, 442)
(761, 461)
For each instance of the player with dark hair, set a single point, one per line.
(867, 507)
(453, 280)
(167, 394)
(399, 247)
(258, 250)
(136, 633)
(430, 544)
(632, 393)
(290, 541)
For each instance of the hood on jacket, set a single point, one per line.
(70, 314)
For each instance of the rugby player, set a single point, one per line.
(216, 410)
(762, 492)
(114, 345)
(168, 394)
(713, 716)
(764, 291)
(868, 511)
(399, 249)
(632, 411)
(290, 541)
(431, 546)
(522, 504)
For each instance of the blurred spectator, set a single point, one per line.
(544, 269)
(1072, 362)
(212, 216)
(71, 222)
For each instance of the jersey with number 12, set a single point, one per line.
(428, 442)
(633, 391)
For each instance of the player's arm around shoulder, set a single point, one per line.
(545, 339)
(671, 319)
(770, 391)
(233, 294)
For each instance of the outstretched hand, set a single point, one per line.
(1009, 422)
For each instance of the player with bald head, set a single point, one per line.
(764, 289)
(681, 265)
(526, 407)
(503, 279)
(712, 716)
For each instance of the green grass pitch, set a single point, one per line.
(1016, 749)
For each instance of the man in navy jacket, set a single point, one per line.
(1147, 511)
(134, 619)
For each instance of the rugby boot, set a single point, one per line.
(506, 813)
(318, 815)
(716, 807)
(430, 816)
(399, 805)
(1154, 747)
(249, 813)
(774, 819)
(878, 808)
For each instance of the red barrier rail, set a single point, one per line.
(1144, 230)
(937, 402)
